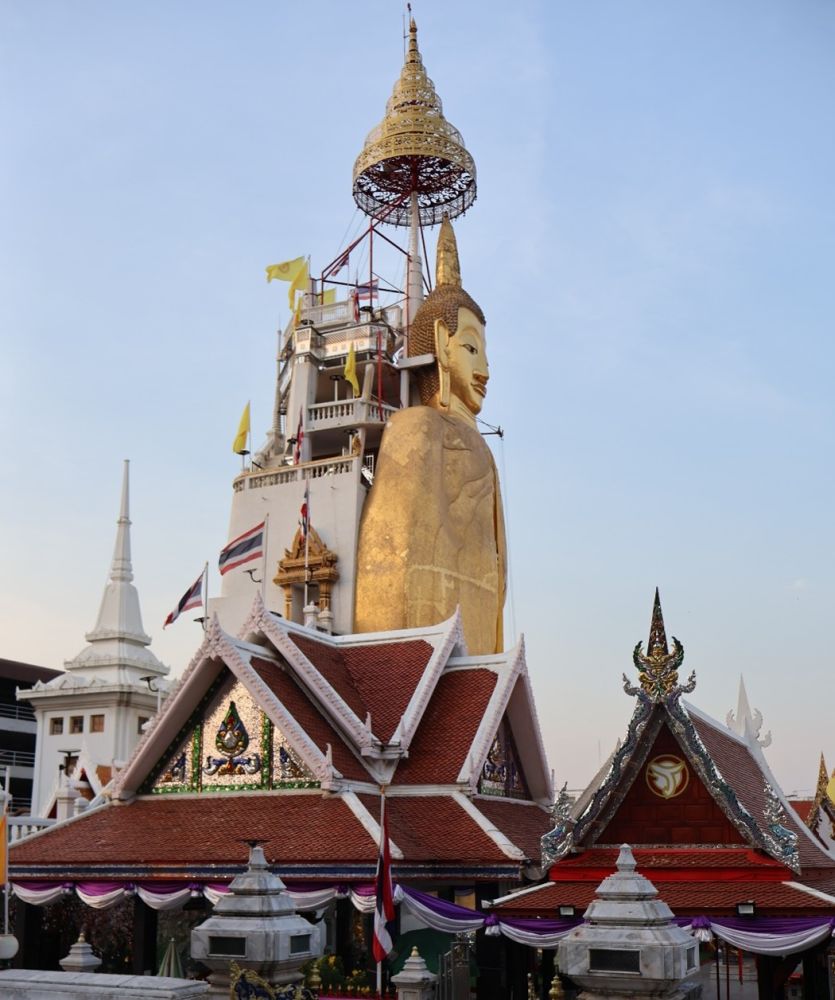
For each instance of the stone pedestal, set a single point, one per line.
(81, 958)
(256, 926)
(415, 981)
(629, 946)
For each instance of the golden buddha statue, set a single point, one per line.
(432, 532)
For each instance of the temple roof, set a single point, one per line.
(338, 712)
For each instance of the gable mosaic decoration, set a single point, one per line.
(667, 776)
(501, 774)
(229, 744)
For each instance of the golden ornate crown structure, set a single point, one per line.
(414, 151)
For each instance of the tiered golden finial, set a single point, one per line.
(414, 150)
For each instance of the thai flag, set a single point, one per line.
(304, 519)
(192, 598)
(368, 291)
(242, 549)
(382, 944)
(297, 450)
(339, 264)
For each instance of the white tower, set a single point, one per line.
(90, 718)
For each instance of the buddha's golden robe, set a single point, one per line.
(432, 531)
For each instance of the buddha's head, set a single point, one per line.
(450, 325)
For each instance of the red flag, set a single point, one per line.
(304, 520)
(297, 451)
(382, 944)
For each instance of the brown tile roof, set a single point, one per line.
(742, 772)
(435, 828)
(684, 898)
(523, 824)
(317, 727)
(802, 807)
(448, 727)
(665, 859)
(379, 678)
(204, 830)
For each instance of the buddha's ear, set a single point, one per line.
(442, 339)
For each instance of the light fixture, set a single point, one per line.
(566, 911)
(748, 908)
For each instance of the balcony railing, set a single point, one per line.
(346, 413)
(295, 473)
(15, 710)
(23, 826)
(17, 758)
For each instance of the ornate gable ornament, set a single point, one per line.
(658, 669)
(658, 702)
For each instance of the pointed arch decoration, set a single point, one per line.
(228, 744)
(502, 773)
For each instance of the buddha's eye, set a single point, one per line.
(471, 348)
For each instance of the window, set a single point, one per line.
(140, 722)
(56, 727)
(96, 723)
(76, 723)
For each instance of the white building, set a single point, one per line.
(90, 718)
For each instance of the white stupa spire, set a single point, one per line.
(746, 723)
(117, 650)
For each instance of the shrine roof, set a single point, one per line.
(802, 807)
(523, 822)
(305, 834)
(746, 771)
(663, 860)
(362, 675)
(317, 727)
(448, 727)
(205, 829)
(686, 897)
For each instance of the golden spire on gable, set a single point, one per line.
(414, 151)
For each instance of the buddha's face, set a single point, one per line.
(466, 362)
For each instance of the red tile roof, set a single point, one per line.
(663, 861)
(446, 731)
(715, 897)
(298, 704)
(379, 678)
(204, 830)
(435, 828)
(522, 823)
(743, 773)
(802, 807)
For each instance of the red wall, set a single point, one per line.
(692, 817)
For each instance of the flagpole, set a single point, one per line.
(382, 832)
(205, 594)
(307, 542)
(5, 827)
(264, 562)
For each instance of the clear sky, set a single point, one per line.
(653, 246)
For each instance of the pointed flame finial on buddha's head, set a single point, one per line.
(447, 265)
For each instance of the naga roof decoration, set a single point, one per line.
(659, 704)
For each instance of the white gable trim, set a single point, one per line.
(372, 827)
(506, 846)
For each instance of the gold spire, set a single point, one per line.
(414, 149)
(657, 643)
(447, 267)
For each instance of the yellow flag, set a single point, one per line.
(300, 283)
(297, 314)
(239, 444)
(351, 370)
(295, 271)
(328, 296)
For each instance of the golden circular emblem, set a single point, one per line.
(667, 776)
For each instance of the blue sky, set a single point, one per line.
(652, 244)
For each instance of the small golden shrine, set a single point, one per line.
(308, 562)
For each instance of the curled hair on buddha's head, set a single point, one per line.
(442, 303)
